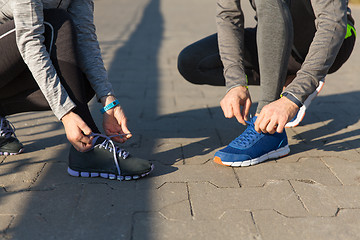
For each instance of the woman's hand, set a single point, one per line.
(77, 132)
(233, 101)
(114, 121)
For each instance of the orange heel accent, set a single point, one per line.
(218, 161)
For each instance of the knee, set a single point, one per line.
(186, 63)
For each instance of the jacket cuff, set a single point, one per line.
(235, 76)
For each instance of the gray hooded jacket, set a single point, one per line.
(29, 22)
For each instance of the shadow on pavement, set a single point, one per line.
(61, 207)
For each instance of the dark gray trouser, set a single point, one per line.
(18, 90)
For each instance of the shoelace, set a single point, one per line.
(109, 145)
(247, 137)
(6, 128)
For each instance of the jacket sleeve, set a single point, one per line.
(230, 27)
(90, 58)
(28, 18)
(330, 23)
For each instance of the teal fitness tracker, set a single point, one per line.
(109, 106)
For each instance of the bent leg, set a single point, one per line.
(200, 62)
(274, 41)
(18, 90)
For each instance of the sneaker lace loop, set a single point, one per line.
(109, 144)
(6, 128)
(247, 137)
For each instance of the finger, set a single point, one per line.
(280, 126)
(119, 139)
(237, 114)
(263, 125)
(246, 109)
(225, 109)
(125, 129)
(82, 147)
(228, 113)
(257, 122)
(85, 129)
(79, 146)
(271, 127)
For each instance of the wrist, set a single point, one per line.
(292, 99)
(66, 116)
(105, 100)
(291, 105)
(110, 107)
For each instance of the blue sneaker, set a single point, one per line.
(251, 148)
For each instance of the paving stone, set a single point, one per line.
(5, 221)
(322, 200)
(298, 148)
(197, 148)
(277, 195)
(211, 172)
(19, 176)
(312, 169)
(348, 172)
(273, 225)
(232, 225)
(168, 153)
(329, 137)
(113, 201)
(316, 198)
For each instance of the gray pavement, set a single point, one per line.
(311, 194)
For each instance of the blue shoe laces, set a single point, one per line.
(109, 145)
(6, 128)
(248, 137)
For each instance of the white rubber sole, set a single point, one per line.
(281, 152)
(107, 175)
(10, 154)
(301, 113)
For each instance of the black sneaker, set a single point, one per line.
(103, 161)
(9, 144)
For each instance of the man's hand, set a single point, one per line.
(275, 115)
(77, 132)
(114, 121)
(233, 101)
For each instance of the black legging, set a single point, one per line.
(200, 62)
(18, 90)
